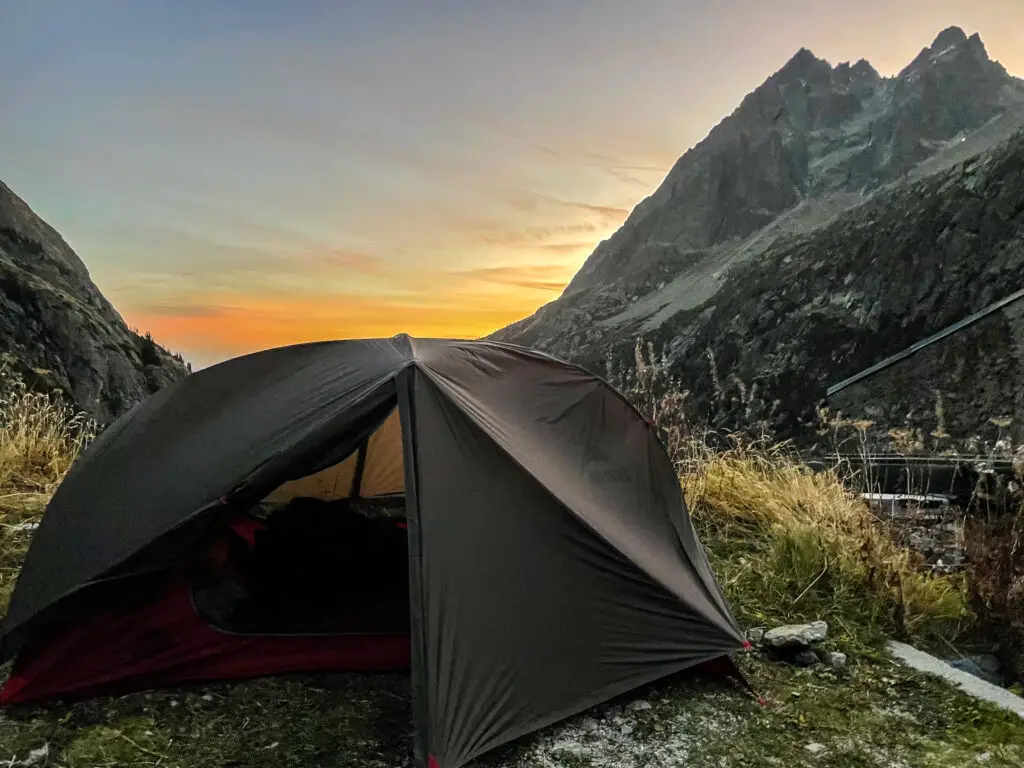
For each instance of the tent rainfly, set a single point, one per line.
(548, 562)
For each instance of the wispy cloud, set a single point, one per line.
(541, 277)
(525, 200)
(351, 260)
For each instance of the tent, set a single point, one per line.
(548, 560)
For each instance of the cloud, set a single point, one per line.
(534, 237)
(191, 312)
(344, 258)
(533, 201)
(542, 277)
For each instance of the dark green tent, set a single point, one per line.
(552, 561)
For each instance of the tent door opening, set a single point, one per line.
(323, 554)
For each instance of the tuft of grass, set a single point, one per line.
(790, 544)
(40, 438)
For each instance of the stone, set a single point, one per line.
(756, 635)
(35, 757)
(796, 635)
(835, 660)
(984, 666)
(639, 706)
(815, 748)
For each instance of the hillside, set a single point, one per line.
(58, 331)
(836, 216)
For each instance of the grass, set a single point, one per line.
(790, 544)
(40, 438)
(787, 545)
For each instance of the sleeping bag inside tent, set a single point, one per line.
(501, 523)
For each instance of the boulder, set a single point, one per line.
(794, 636)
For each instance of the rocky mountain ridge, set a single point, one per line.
(806, 155)
(59, 332)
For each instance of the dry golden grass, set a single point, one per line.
(790, 544)
(40, 438)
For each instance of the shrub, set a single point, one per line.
(995, 569)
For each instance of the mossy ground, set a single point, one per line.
(874, 714)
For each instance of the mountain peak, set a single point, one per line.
(802, 63)
(948, 37)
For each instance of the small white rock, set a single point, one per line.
(208, 697)
(639, 706)
(36, 756)
(836, 660)
(815, 748)
(984, 757)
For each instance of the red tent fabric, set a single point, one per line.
(166, 642)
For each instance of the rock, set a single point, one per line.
(814, 748)
(796, 635)
(35, 757)
(639, 706)
(756, 635)
(984, 666)
(949, 561)
(835, 659)
(59, 333)
(806, 658)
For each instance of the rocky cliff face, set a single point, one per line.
(59, 332)
(833, 217)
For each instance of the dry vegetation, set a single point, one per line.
(787, 544)
(791, 544)
(40, 437)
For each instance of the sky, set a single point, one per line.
(241, 175)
